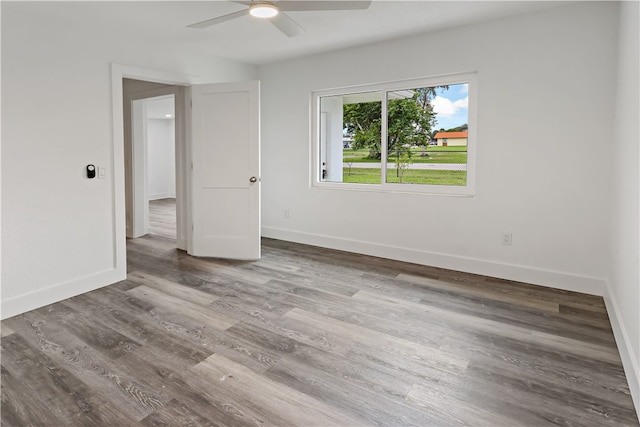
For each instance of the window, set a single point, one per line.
(428, 126)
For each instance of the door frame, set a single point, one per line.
(118, 166)
(136, 161)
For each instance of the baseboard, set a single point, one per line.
(553, 279)
(58, 292)
(628, 356)
(162, 196)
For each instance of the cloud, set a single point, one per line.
(464, 88)
(448, 108)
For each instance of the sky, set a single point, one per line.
(451, 106)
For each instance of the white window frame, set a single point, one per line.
(470, 78)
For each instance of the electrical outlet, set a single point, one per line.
(286, 213)
(507, 238)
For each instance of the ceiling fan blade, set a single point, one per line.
(219, 19)
(287, 25)
(308, 5)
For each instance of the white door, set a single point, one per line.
(225, 182)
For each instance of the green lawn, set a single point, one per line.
(434, 155)
(411, 176)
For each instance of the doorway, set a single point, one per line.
(154, 139)
(155, 186)
(212, 220)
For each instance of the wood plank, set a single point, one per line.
(17, 405)
(127, 393)
(170, 327)
(295, 407)
(197, 312)
(220, 268)
(551, 402)
(183, 293)
(599, 352)
(482, 292)
(366, 403)
(389, 347)
(361, 313)
(452, 410)
(69, 400)
(176, 413)
(162, 218)
(566, 369)
(229, 406)
(5, 331)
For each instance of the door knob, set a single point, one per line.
(253, 179)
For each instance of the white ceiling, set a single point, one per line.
(254, 41)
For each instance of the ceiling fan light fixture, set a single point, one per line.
(263, 10)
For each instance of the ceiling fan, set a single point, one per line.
(274, 11)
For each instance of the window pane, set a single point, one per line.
(427, 135)
(350, 141)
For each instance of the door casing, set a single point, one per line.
(117, 162)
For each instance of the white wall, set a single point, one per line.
(546, 92)
(161, 155)
(57, 225)
(623, 297)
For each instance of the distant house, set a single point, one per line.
(457, 139)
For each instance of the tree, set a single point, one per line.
(410, 122)
(363, 123)
(402, 163)
(462, 128)
(349, 164)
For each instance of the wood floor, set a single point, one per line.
(162, 218)
(311, 337)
